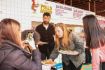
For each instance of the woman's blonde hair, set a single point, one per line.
(65, 40)
(9, 31)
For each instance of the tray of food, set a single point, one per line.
(49, 61)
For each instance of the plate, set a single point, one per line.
(68, 52)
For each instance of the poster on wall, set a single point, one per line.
(101, 21)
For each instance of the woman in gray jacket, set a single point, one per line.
(71, 47)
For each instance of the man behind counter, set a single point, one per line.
(47, 32)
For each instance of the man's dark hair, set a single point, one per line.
(46, 14)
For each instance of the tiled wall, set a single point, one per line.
(17, 9)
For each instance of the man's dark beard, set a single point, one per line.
(46, 22)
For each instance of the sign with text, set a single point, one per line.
(60, 13)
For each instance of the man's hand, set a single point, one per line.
(41, 43)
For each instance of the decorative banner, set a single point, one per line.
(34, 5)
(60, 13)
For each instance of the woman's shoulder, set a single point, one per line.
(8, 45)
(72, 35)
(6, 50)
(12, 50)
(76, 38)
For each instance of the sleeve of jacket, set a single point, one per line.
(19, 61)
(54, 54)
(79, 44)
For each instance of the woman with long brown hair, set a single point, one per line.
(70, 46)
(12, 53)
(95, 41)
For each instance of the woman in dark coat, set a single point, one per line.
(12, 53)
